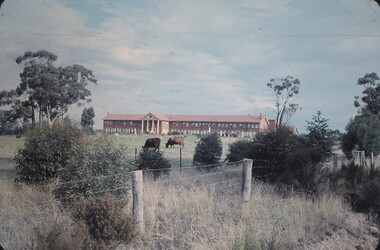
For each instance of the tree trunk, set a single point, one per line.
(49, 118)
(33, 118)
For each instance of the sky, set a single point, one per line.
(201, 57)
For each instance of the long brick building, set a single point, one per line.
(224, 125)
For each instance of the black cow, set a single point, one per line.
(152, 143)
(176, 140)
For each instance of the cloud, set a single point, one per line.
(199, 56)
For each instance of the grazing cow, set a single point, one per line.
(152, 143)
(176, 140)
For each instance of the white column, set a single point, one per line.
(142, 126)
(158, 126)
(152, 125)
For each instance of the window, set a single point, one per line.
(131, 123)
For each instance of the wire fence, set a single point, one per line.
(217, 175)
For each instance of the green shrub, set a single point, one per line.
(304, 170)
(240, 149)
(97, 168)
(46, 152)
(105, 218)
(82, 167)
(154, 161)
(208, 150)
(366, 197)
(283, 158)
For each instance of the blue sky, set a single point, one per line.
(202, 57)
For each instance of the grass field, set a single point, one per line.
(133, 143)
(8, 148)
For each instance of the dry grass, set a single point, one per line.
(32, 219)
(184, 211)
(194, 213)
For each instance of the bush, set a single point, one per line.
(304, 170)
(82, 167)
(96, 168)
(174, 133)
(271, 151)
(240, 149)
(283, 158)
(46, 152)
(105, 218)
(208, 150)
(366, 198)
(150, 159)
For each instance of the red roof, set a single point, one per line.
(123, 117)
(189, 118)
(216, 118)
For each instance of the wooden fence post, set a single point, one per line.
(247, 177)
(138, 202)
(180, 158)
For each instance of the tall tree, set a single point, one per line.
(362, 133)
(285, 91)
(320, 136)
(47, 90)
(371, 93)
(87, 120)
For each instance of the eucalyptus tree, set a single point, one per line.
(46, 89)
(285, 91)
(371, 93)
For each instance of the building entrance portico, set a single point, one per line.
(153, 124)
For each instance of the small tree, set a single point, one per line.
(320, 136)
(154, 162)
(87, 120)
(362, 133)
(208, 150)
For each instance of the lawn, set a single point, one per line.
(133, 144)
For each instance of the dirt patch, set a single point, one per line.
(357, 232)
